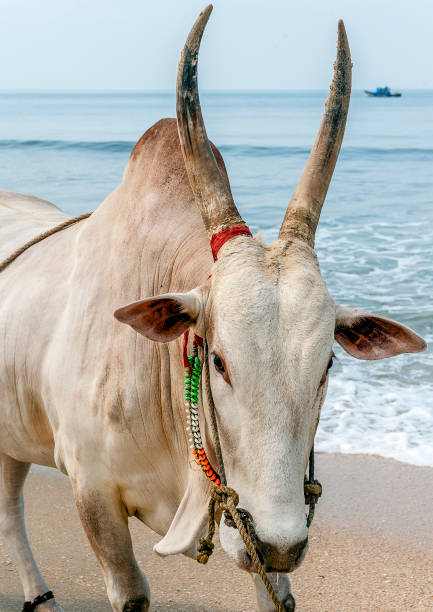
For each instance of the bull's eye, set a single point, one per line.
(219, 366)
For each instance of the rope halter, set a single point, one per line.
(222, 496)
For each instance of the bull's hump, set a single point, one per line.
(162, 133)
(157, 156)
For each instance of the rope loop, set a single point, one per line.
(227, 499)
(219, 495)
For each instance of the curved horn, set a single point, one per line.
(302, 215)
(210, 187)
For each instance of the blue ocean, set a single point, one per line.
(375, 238)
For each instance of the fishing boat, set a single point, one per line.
(383, 92)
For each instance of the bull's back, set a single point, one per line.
(22, 218)
(23, 423)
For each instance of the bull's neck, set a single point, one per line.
(147, 249)
(128, 250)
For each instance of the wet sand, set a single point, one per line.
(371, 548)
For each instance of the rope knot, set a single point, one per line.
(241, 519)
(312, 491)
(227, 499)
(205, 549)
(221, 495)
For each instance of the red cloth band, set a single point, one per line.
(185, 349)
(197, 339)
(217, 240)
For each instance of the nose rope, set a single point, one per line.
(213, 421)
(225, 497)
(312, 489)
(228, 499)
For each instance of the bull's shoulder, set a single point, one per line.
(23, 217)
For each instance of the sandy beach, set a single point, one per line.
(371, 548)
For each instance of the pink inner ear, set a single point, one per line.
(371, 337)
(159, 319)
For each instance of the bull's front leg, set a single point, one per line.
(281, 584)
(106, 524)
(12, 476)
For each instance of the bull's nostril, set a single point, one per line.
(277, 560)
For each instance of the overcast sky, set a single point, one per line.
(248, 44)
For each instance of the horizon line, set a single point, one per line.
(171, 92)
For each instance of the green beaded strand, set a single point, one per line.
(192, 379)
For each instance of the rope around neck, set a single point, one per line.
(50, 232)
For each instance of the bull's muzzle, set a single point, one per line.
(275, 560)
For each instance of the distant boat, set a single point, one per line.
(383, 92)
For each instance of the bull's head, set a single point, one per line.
(269, 322)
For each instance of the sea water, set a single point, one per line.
(375, 237)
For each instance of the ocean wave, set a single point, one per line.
(238, 150)
(346, 152)
(113, 146)
(388, 418)
(263, 151)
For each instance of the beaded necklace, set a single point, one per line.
(193, 368)
(192, 390)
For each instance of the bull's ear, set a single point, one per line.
(164, 317)
(369, 336)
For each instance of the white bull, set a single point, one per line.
(104, 404)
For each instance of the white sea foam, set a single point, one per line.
(381, 407)
(370, 411)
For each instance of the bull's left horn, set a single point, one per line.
(210, 186)
(304, 210)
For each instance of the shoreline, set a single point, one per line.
(371, 548)
(375, 456)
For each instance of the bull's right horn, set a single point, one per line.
(303, 213)
(210, 187)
